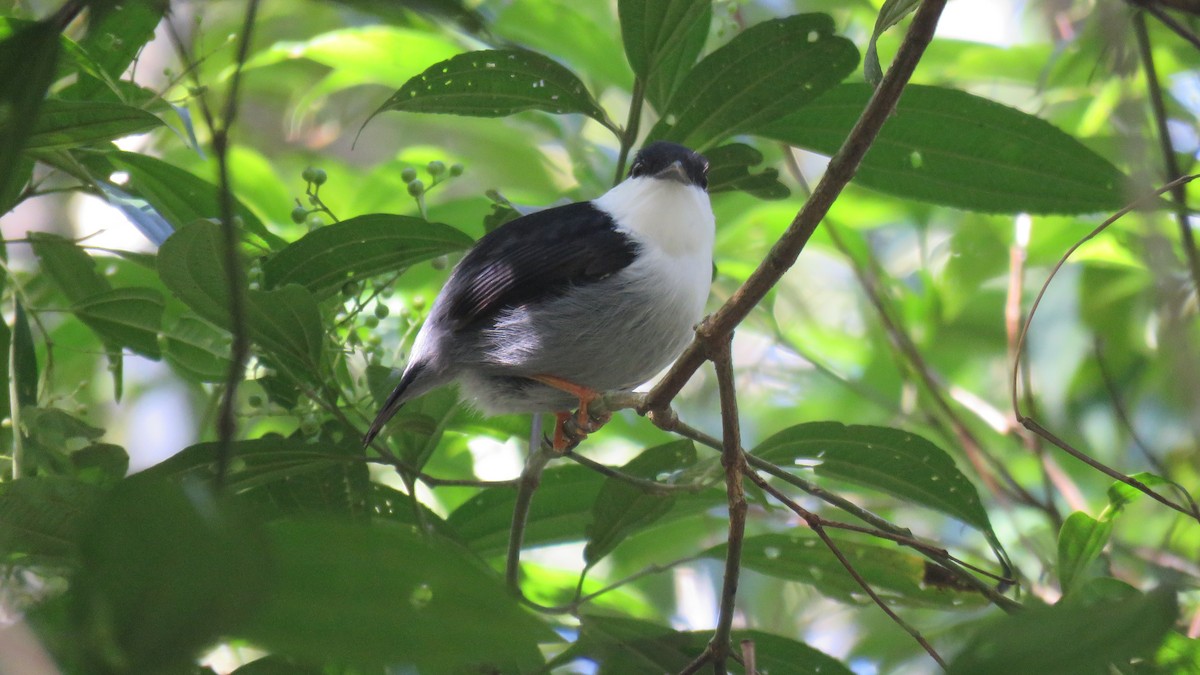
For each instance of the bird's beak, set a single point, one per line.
(675, 172)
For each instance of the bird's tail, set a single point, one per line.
(394, 402)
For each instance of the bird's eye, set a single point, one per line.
(636, 170)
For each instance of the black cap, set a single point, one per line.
(657, 157)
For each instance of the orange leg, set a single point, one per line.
(585, 395)
(560, 437)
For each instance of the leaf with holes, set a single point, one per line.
(622, 509)
(895, 575)
(496, 83)
(662, 40)
(763, 74)
(957, 149)
(326, 258)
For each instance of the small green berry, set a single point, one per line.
(314, 200)
(440, 262)
(315, 221)
(371, 322)
(456, 169)
(309, 426)
(418, 302)
(197, 91)
(299, 215)
(349, 289)
(255, 401)
(408, 175)
(309, 175)
(381, 311)
(436, 168)
(416, 188)
(319, 177)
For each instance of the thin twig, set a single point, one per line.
(1167, 20)
(650, 486)
(1032, 424)
(839, 172)
(815, 523)
(1118, 405)
(1170, 163)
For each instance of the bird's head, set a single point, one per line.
(662, 160)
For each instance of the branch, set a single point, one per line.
(1032, 424)
(839, 172)
(817, 525)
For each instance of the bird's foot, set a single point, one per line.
(567, 436)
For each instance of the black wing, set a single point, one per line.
(536, 256)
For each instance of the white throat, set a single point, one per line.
(676, 218)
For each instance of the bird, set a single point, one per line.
(551, 310)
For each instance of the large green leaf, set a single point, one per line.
(326, 258)
(24, 362)
(69, 124)
(182, 198)
(496, 83)
(197, 350)
(28, 58)
(622, 508)
(40, 519)
(71, 269)
(388, 594)
(894, 461)
(1070, 639)
(953, 148)
(166, 570)
(763, 74)
(562, 508)
(125, 317)
(285, 321)
(897, 576)
(624, 646)
(663, 38)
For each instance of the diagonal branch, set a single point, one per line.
(841, 169)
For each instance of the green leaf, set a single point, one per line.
(893, 461)
(621, 508)
(125, 317)
(953, 148)
(167, 569)
(115, 37)
(285, 321)
(197, 350)
(663, 38)
(763, 74)
(24, 362)
(1080, 542)
(182, 198)
(276, 665)
(562, 508)
(496, 83)
(1070, 639)
(389, 594)
(889, 15)
(28, 59)
(896, 576)
(625, 646)
(70, 124)
(326, 258)
(40, 519)
(729, 169)
(1121, 494)
(71, 269)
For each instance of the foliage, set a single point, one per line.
(890, 459)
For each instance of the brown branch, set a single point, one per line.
(734, 462)
(839, 172)
(1170, 163)
(1032, 424)
(1167, 20)
(818, 526)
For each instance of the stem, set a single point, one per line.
(1171, 164)
(629, 136)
